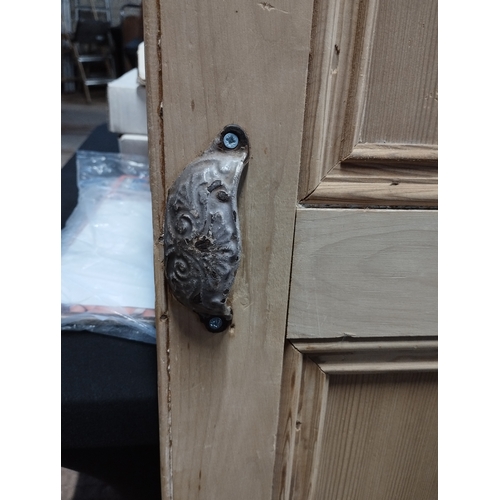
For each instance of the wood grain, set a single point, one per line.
(302, 412)
(396, 154)
(372, 81)
(338, 63)
(380, 438)
(397, 175)
(364, 273)
(374, 356)
(154, 65)
(344, 436)
(381, 173)
(402, 100)
(291, 383)
(221, 63)
(374, 194)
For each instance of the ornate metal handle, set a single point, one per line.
(202, 232)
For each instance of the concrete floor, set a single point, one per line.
(78, 119)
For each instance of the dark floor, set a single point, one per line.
(76, 486)
(78, 119)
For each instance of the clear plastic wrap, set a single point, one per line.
(107, 249)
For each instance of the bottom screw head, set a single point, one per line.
(215, 323)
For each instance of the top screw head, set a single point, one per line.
(230, 140)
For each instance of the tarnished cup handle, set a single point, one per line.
(202, 231)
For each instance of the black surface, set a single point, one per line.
(108, 393)
(101, 139)
(134, 471)
(109, 402)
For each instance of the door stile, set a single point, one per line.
(220, 63)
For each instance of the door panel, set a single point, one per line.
(380, 437)
(360, 273)
(367, 432)
(401, 91)
(372, 103)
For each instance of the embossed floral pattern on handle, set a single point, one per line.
(202, 232)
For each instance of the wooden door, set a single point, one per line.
(325, 385)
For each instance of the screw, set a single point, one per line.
(230, 140)
(215, 323)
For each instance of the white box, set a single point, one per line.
(134, 144)
(127, 105)
(141, 65)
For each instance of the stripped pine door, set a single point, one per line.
(325, 385)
